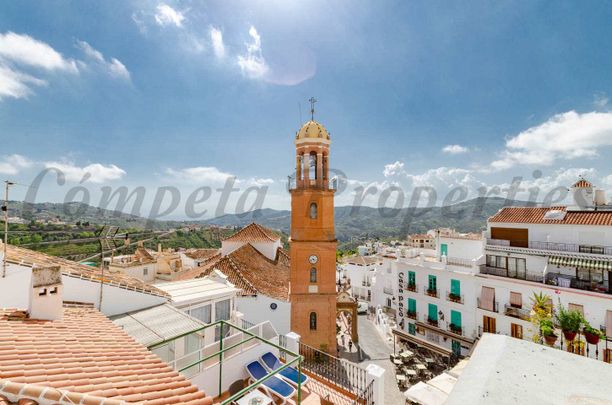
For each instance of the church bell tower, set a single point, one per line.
(313, 240)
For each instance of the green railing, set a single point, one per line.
(296, 359)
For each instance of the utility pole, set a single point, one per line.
(5, 209)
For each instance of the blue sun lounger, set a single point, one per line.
(290, 374)
(273, 384)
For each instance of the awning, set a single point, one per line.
(580, 262)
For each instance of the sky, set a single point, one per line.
(189, 94)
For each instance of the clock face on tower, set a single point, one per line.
(313, 259)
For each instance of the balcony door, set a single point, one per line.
(488, 324)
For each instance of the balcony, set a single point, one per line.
(432, 292)
(412, 287)
(562, 280)
(495, 306)
(520, 313)
(527, 276)
(458, 298)
(412, 315)
(388, 290)
(457, 330)
(432, 322)
(366, 284)
(553, 246)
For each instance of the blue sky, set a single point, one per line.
(438, 94)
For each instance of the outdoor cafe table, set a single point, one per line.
(397, 362)
(410, 372)
(254, 395)
(400, 377)
(421, 367)
(407, 354)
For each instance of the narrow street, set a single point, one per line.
(374, 350)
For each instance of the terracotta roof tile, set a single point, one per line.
(582, 183)
(363, 260)
(254, 273)
(253, 233)
(86, 358)
(69, 268)
(535, 215)
(198, 254)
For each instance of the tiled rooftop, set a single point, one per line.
(363, 260)
(29, 257)
(199, 254)
(254, 273)
(253, 233)
(535, 215)
(86, 359)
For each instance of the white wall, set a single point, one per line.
(14, 290)
(267, 249)
(579, 234)
(461, 248)
(257, 309)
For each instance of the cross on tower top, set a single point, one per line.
(312, 103)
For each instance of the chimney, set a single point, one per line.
(600, 198)
(46, 293)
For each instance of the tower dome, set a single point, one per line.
(312, 129)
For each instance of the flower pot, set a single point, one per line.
(569, 335)
(591, 338)
(550, 339)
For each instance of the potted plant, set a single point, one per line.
(454, 328)
(432, 292)
(569, 321)
(541, 303)
(547, 329)
(591, 334)
(454, 297)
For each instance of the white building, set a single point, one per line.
(562, 252)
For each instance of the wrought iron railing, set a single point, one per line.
(521, 275)
(334, 371)
(412, 315)
(573, 282)
(412, 287)
(554, 246)
(457, 261)
(431, 321)
(366, 397)
(432, 292)
(521, 313)
(457, 330)
(482, 306)
(458, 298)
(388, 290)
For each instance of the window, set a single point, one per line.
(145, 271)
(222, 310)
(411, 329)
(42, 291)
(432, 312)
(455, 287)
(516, 300)
(313, 210)
(516, 331)
(411, 306)
(53, 290)
(313, 275)
(202, 313)
(432, 283)
(456, 319)
(313, 321)
(411, 278)
(488, 324)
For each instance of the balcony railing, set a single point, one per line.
(520, 275)
(495, 306)
(457, 261)
(218, 354)
(521, 313)
(412, 287)
(458, 298)
(388, 290)
(431, 321)
(457, 330)
(412, 315)
(432, 292)
(561, 280)
(557, 247)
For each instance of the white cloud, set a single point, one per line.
(113, 67)
(18, 52)
(455, 149)
(13, 163)
(200, 174)
(25, 50)
(16, 84)
(393, 169)
(166, 15)
(216, 38)
(252, 63)
(564, 136)
(95, 172)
